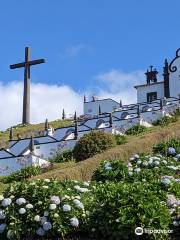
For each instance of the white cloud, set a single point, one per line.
(47, 101)
(74, 50)
(118, 85)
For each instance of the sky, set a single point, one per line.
(100, 47)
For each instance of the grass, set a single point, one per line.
(135, 144)
(84, 170)
(31, 129)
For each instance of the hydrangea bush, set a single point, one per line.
(151, 181)
(43, 208)
(144, 192)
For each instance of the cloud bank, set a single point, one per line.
(47, 101)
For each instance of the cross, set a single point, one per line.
(26, 95)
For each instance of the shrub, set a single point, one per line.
(147, 182)
(164, 121)
(120, 139)
(163, 146)
(135, 130)
(43, 209)
(65, 156)
(93, 143)
(22, 174)
(112, 171)
(121, 207)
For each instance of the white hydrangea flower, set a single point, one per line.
(145, 164)
(55, 200)
(22, 211)
(83, 190)
(131, 159)
(66, 208)
(47, 226)
(1, 197)
(65, 197)
(172, 167)
(156, 163)
(32, 183)
(56, 215)
(21, 201)
(130, 174)
(43, 220)
(129, 164)
(37, 218)
(166, 181)
(2, 227)
(45, 187)
(136, 156)
(139, 162)
(52, 206)
(6, 202)
(172, 210)
(29, 206)
(164, 161)
(47, 180)
(150, 162)
(78, 197)
(171, 200)
(74, 222)
(178, 203)
(137, 170)
(86, 184)
(155, 158)
(108, 166)
(156, 167)
(76, 201)
(130, 169)
(80, 205)
(40, 231)
(178, 156)
(46, 213)
(2, 214)
(75, 181)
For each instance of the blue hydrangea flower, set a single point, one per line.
(171, 151)
(166, 181)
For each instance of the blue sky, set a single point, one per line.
(83, 41)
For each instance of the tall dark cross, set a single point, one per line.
(26, 95)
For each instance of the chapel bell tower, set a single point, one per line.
(151, 76)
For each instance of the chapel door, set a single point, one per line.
(152, 96)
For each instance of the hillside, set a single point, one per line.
(135, 144)
(28, 130)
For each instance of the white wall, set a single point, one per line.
(142, 91)
(174, 78)
(107, 105)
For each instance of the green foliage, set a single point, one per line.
(22, 174)
(163, 146)
(135, 130)
(121, 207)
(65, 156)
(164, 121)
(93, 143)
(120, 139)
(177, 112)
(104, 173)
